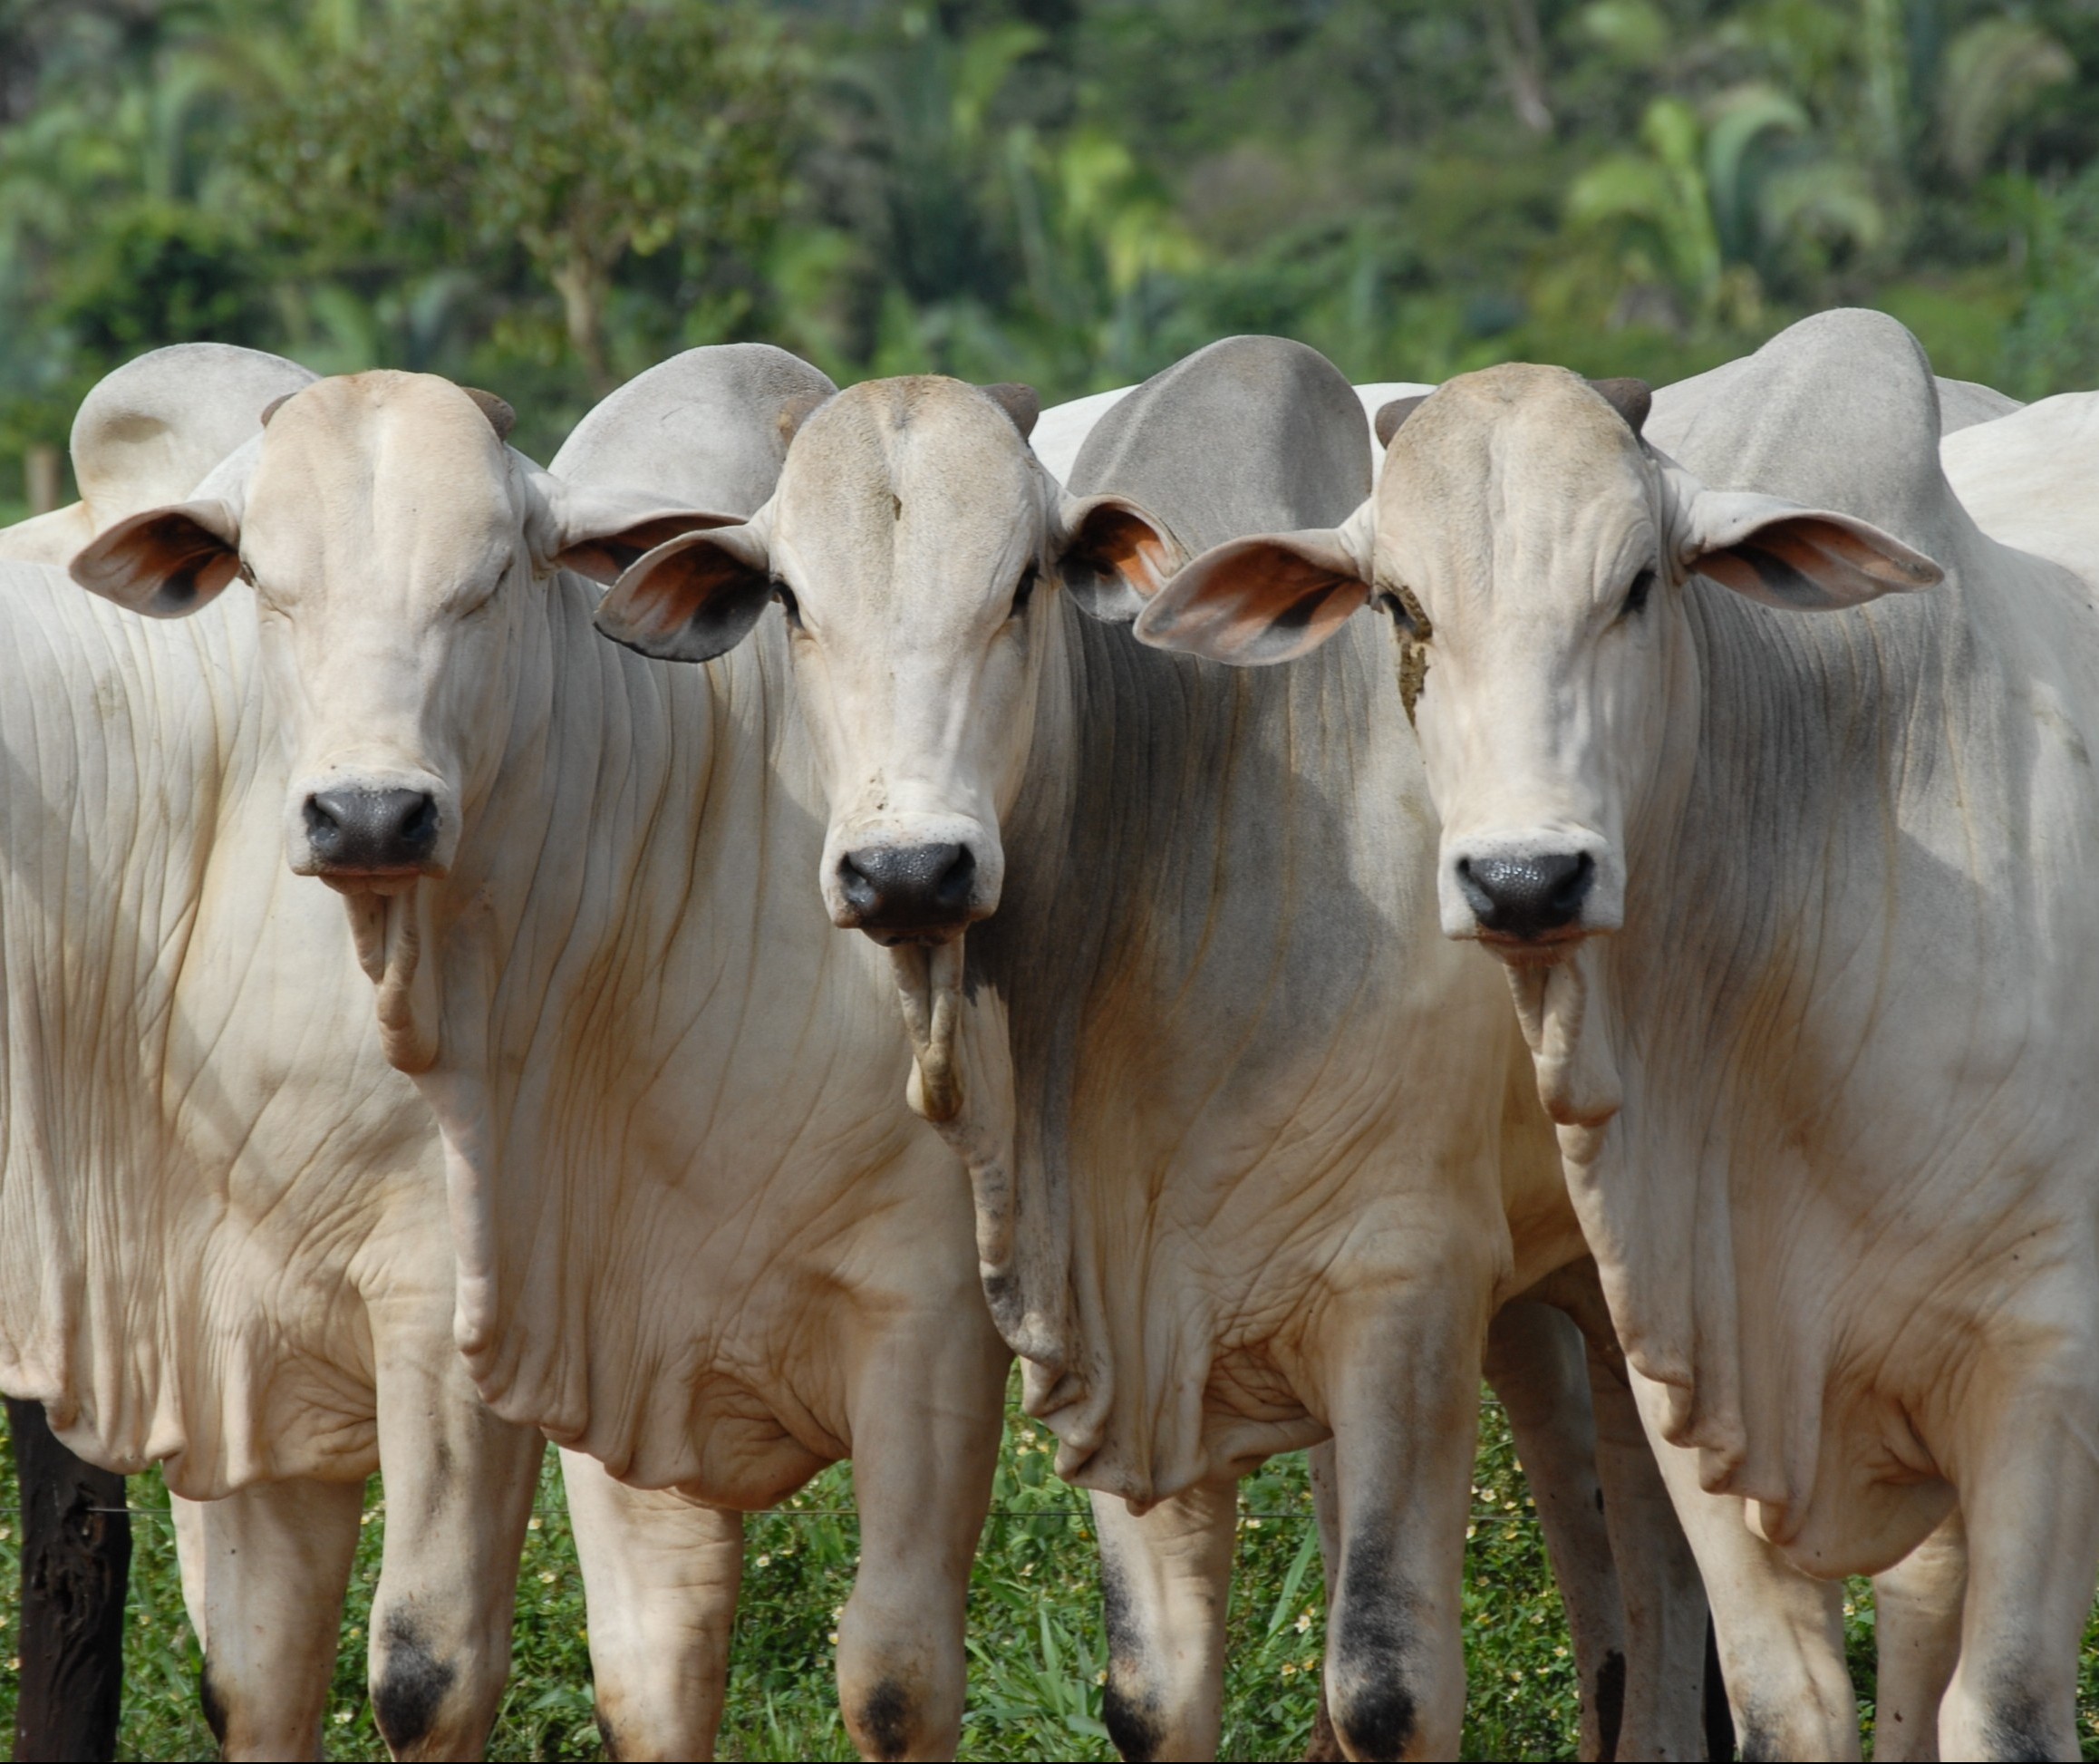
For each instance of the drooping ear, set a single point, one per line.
(1020, 402)
(1390, 417)
(1631, 399)
(692, 599)
(277, 404)
(598, 533)
(1113, 556)
(165, 563)
(1272, 598)
(1800, 560)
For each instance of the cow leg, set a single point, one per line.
(276, 1563)
(1917, 1632)
(925, 1442)
(189, 1553)
(1657, 1579)
(459, 1490)
(2030, 1500)
(1402, 1382)
(659, 1579)
(1165, 1580)
(1324, 1747)
(1780, 1633)
(1536, 1366)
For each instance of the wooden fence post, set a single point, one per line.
(76, 1560)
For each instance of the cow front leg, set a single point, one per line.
(459, 1490)
(660, 1578)
(1657, 1577)
(925, 1441)
(1779, 1633)
(1536, 1365)
(272, 1565)
(1917, 1636)
(1403, 1399)
(1165, 1580)
(2029, 1496)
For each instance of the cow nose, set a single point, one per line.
(1526, 897)
(909, 889)
(372, 829)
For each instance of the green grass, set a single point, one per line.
(1036, 1647)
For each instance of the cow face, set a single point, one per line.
(1533, 552)
(915, 544)
(392, 542)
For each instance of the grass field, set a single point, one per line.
(1036, 1652)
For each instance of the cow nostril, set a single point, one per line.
(957, 882)
(1527, 897)
(360, 830)
(861, 893)
(909, 888)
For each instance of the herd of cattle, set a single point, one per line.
(431, 1027)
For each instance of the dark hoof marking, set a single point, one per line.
(412, 1686)
(607, 1738)
(1609, 1704)
(886, 1720)
(1719, 1719)
(2017, 1726)
(1374, 1713)
(214, 1705)
(1376, 1721)
(1132, 1723)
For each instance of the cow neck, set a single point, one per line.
(1799, 744)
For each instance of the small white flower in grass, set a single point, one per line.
(534, 1523)
(1472, 1531)
(1290, 1669)
(342, 1718)
(547, 1576)
(1303, 1622)
(1253, 1525)
(366, 1519)
(832, 1638)
(765, 1561)
(1101, 1676)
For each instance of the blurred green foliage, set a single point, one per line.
(1074, 192)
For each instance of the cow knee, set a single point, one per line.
(422, 1708)
(895, 1718)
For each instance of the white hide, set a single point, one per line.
(700, 1237)
(1824, 1098)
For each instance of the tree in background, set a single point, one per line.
(575, 133)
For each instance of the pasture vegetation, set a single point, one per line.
(1036, 1648)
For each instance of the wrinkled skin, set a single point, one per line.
(1206, 1253)
(1813, 1027)
(697, 1238)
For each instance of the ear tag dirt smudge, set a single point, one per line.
(1412, 635)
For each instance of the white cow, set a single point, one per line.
(697, 1236)
(1240, 1159)
(221, 1211)
(1795, 914)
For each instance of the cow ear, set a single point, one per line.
(599, 533)
(165, 562)
(1631, 399)
(1800, 560)
(1020, 402)
(692, 599)
(1114, 557)
(1272, 598)
(1391, 418)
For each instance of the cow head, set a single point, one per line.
(915, 543)
(1533, 551)
(397, 551)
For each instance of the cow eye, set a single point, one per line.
(1636, 595)
(1406, 613)
(1024, 591)
(788, 603)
